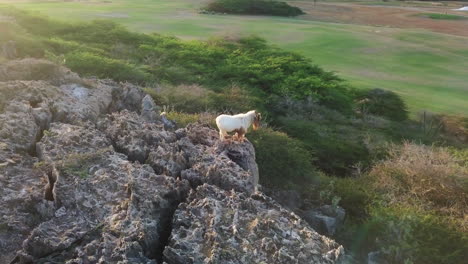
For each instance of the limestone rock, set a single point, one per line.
(90, 174)
(217, 226)
(325, 219)
(149, 110)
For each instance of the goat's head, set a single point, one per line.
(256, 122)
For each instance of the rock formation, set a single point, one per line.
(89, 174)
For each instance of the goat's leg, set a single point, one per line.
(241, 134)
(222, 135)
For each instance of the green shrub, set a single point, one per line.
(234, 99)
(383, 103)
(182, 98)
(106, 49)
(60, 46)
(254, 7)
(355, 196)
(443, 16)
(337, 148)
(94, 65)
(406, 235)
(282, 161)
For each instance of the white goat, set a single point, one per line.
(239, 123)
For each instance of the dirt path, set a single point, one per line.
(390, 16)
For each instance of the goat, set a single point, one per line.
(239, 123)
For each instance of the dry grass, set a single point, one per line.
(427, 177)
(455, 127)
(183, 119)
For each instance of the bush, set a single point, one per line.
(254, 7)
(108, 50)
(407, 235)
(181, 98)
(94, 65)
(234, 100)
(426, 177)
(454, 128)
(337, 147)
(383, 103)
(282, 161)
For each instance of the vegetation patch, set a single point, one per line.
(282, 160)
(254, 7)
(443, 16)
(428, 177)
(78, 164)
(411, 206)
(383, 103)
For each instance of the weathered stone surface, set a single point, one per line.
(216, 226)
(22, 206)
(132, 135)
(19, 127)
(89, 174)
(101, 198)
(168, 124)
(149, 110)
(194, 154)
(325, 219)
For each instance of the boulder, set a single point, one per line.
(149, 110)
(326, 219)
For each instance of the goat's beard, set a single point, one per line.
(255, 125)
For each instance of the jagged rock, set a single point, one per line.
(243, 155)
(325, 219)
(101, 198)
(195, 151)
(149, 110)
(217, 226)
(168, 124)
(133, 135)
(21, 200)
(18, 126)
(89, 175)
(126, 96)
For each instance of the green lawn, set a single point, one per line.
(430, 70)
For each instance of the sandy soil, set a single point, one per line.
(389, 16)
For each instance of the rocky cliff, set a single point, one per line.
(89, 174)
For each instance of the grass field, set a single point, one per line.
(443, 16)
(430, 70)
